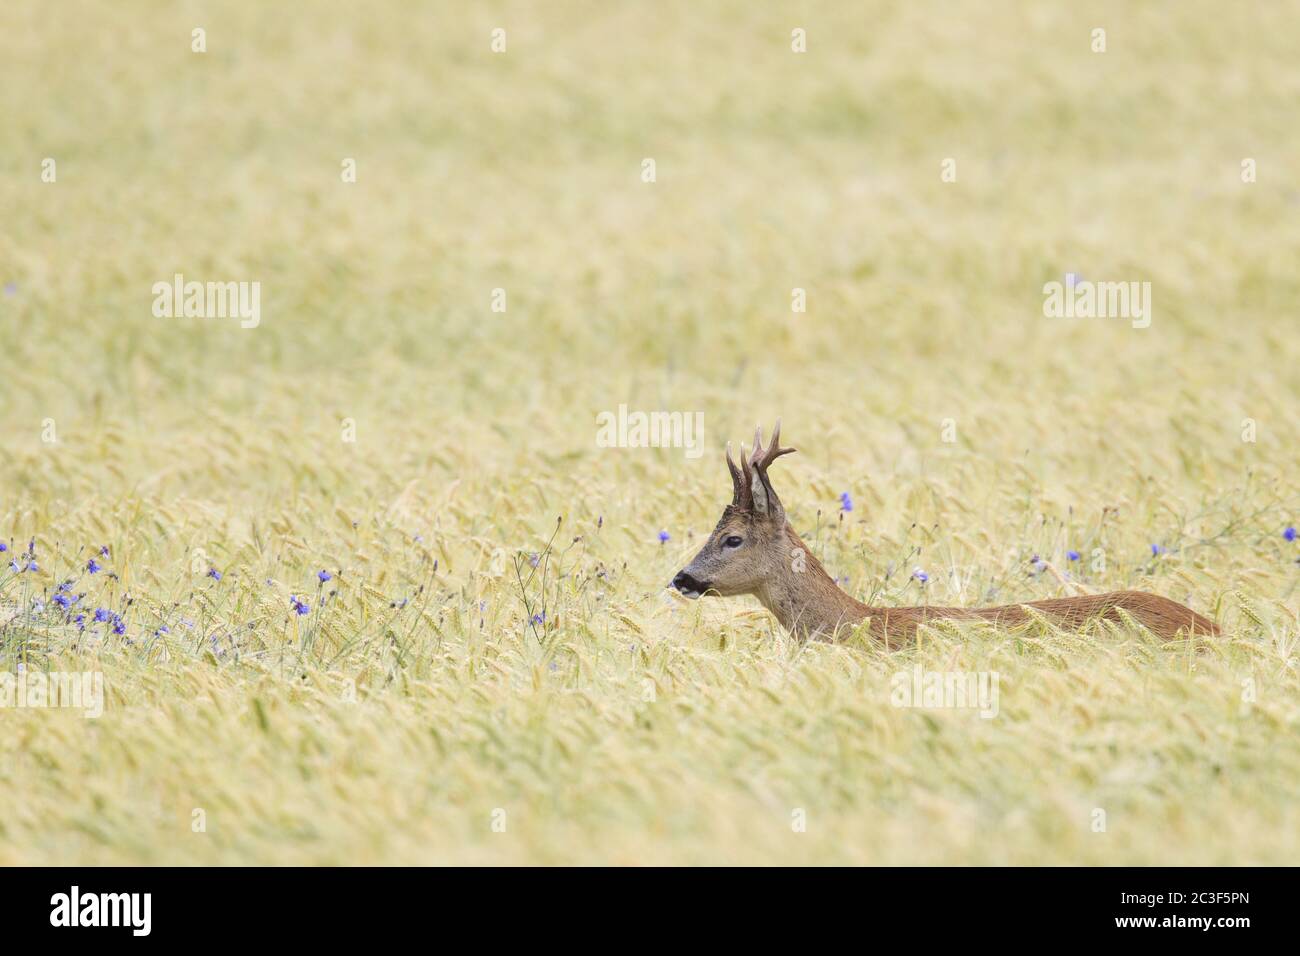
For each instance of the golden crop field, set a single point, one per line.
(475, 229)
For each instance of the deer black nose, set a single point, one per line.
(688, 585)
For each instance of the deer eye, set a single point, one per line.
(735, 541)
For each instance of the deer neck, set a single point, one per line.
(802, 595)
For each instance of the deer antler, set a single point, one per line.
(741, 496)
(761, 494)
(762, 458)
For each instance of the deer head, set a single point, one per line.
(750, 544)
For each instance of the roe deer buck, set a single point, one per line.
(754, 551)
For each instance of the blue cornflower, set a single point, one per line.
(214, 574)
(846, 503)
(103, 552)
(664, 537)
(323, 575)
(533, 559)
(299, 607)
(1289, 533)
(3, 547)
(1157, 550)
(102, 614)
(80, 621)
(539, 618)
(13, 566)
(1072, 555)
(32, 566)
(93, 566)
(119, 626)
(62, 601)
(920, 575)
(64, 586)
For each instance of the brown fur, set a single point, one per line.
(811, 604)
(773, 564)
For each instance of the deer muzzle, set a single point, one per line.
(688, 585)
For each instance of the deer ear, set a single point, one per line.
(765, 500)
(758, 492)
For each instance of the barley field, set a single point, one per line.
(360, 582)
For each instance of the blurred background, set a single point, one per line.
(189, 444)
